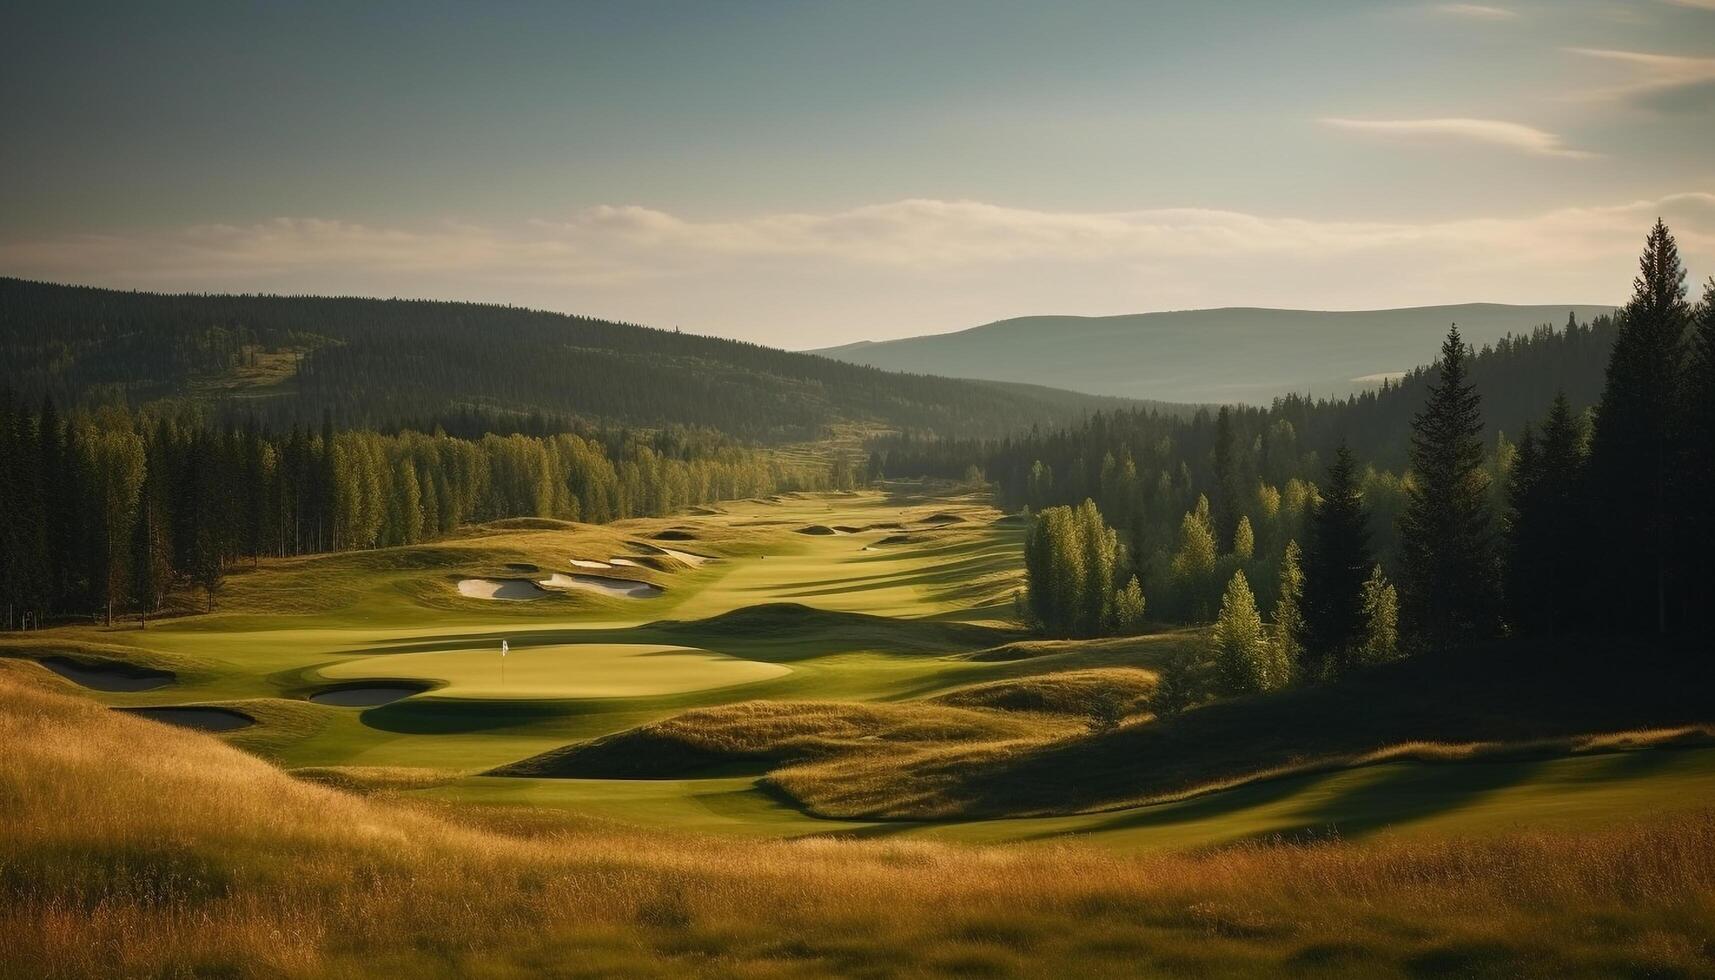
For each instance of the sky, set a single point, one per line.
(804, 174)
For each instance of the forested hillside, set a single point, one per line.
(1223, 356)
(1542, 483)
(389, 364)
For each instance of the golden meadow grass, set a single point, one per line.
(136, 849)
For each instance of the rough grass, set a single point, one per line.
(138, 850)
(1103, 694)
(1503, 695)
(764, 734)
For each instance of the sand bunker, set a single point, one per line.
(367, 695)
(108, 675)
(201, 719)
(817, 529)
(622, 588)
(624, 561)
(521, 566)
(499, 588)
(695, 561)
(589, 563)
(561, 670)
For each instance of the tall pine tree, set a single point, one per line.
(1336, 565)
(1698, 417)
(1634, 458)
(1446, 532)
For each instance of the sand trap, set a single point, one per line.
(589, 563)
(847, 529)
(367, 695)
(621, 588)
(201, 719)
(499, 588)
(521, 566)
(561, 671)
(624, 561)
(108, 675)
(817, 529)
(695, 561)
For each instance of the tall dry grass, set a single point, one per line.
(130, 849)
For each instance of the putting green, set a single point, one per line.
(561, 671)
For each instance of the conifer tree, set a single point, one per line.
(1381, 619)
(1288, 627)
(1243, 653)
(1446, 533)
(1547, 530)
(1225, 516)
(1698, 415)
(1335, 567)
(1244, 540)
(1634, 449)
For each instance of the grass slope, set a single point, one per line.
(1166, 355)
(135, 849)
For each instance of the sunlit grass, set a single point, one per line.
(133, 849)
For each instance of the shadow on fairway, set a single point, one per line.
(450, 716)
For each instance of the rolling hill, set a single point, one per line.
(1262, 353)
(389, 363)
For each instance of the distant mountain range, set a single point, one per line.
(1235, 354)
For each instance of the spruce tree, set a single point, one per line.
(1634, 456)
(1288, 635)
(1335, 568)
(1547, 527)
(1446, 532)
(1698, 486)
(1381, 619)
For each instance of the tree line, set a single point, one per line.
(110, 511)
(1593, 521)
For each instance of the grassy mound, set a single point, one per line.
(1505, 694)
(1104, 693)
(770, 733)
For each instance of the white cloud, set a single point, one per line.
(1657, 80)
(808, 280)
(1475, 11)
(1514, 136)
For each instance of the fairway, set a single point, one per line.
(561, 671)
(386, 662)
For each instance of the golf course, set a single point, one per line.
(779, 638)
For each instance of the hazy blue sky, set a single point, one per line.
(810, 173)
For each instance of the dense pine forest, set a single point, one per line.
(392, 364)
(111, 512)
(1551, 483)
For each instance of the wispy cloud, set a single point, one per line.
(1510, 135)
(811, 279)
(1474, 11)
(1698, 4)
(1660, 81)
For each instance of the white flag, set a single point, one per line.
(503, 648)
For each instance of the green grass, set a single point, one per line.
(864, 651)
